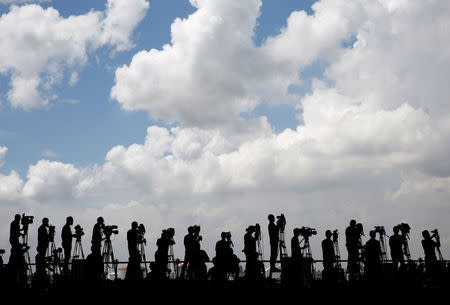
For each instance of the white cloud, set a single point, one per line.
(39, 45)
(73, 79)
(49, 153)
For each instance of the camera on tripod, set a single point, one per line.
(404, 228)
(226, 235)
(335, 235)
(141, 234)
(281, 222)
(169, 232)
(197, 232)
(307, 232)
(380, 230)
(26, 220)
(434, 233)
(78, 232)
(110, 230)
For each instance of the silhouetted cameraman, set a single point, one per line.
(96, 241)
(352, 243)
(134, 264)
(251, 255)
(188, 241)
(274, 238)
(373, 257)
(328, 252)
(14, 233)
(396, 243)
(66, 237)
(429, 249)
(42, 246)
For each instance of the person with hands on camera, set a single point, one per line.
(429, 249)
(97, 237)
(274, 237)
(66, 238)
(396, 242)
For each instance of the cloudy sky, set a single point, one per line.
(218, 112)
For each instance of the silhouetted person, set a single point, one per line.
(198, 257)
(42, 246)
(134, 262)
(96, 241)
(251, 255)
(66, 238)
(188, 241)
(328, 256)
(396, 243)
(225, 261)
(429, 249)
(274, 238)
(352, 243)
(373, 257)
(14, 232)
(161, 255)
(94, 265)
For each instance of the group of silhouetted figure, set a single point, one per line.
(366, 261)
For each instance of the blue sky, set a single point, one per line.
(96, 121)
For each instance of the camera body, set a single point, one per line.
(26, 220)
(226, 235)
(78, 232)
(197, 232)
(307, 232)
(335, 235)
(281, 222)
(404, 228)
(169, 232)
(380, 230)
(110, 230)
(140, 234)
(435, 233)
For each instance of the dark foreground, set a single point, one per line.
(232, 292)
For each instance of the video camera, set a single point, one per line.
(140, 234)
(226, 235)
(169, 232)
(26, 220)
(335, 235)
(307, 232)
(281, 222)
(110, 230)
(380, 230)
(51, 233)
(404, 229)
(360, 229)
(435, 233)
(78, 232)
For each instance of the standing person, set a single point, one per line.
(188, 246)
(66, 237)
(429, 248)
(251, 255)
(274, 237)
(396, 243)
(42, 246)
(97, 237)
(373, 257)
(134, 264)
(14, 233)
(352, 244)
(328, 255)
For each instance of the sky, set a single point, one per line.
(218, 112)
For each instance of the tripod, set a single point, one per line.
(383, 246)
(26, 254)
(406, 248)
(54, 256)
(78, 249)
(307, 255)
(141, 250)
(108, 257)
(171, 259)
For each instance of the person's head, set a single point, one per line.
(45, 221)
(69, 220)
(352, 223)
(271, 218)
(191, 229)
(100, 220)
(396, 229)
(328, 234)
(250, 229)
(296, 232)
(372, 234)
(17, 217)
(134, 225)
(426, 234)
